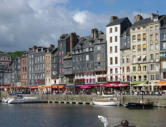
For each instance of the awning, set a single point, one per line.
(162, 83)
(57, 86)
(116, 84)
(138, 82)
(33, 87)
(89, 86)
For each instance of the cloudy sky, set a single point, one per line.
(24, 23)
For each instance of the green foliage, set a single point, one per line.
(16, 54)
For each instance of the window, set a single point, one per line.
(123, 60)
(139, 58)
(145, 77)
(151, 28)
(134, 59)
(111, 78)
(111, 71)
(144, 58)
(156, 37)
(134, 78)
(152, 77)
(156, 27)
(110, 30)
(116, 38)
(139, 77)
(151, 66)
(157, 67)
(144, 68)
(164, 36)
(116, 29)
(151, 47)
(144, 36)
(123, 69)
(98, 47)
(116, 78)
(111, 60)
(134, 47)
(116, 49)
(110, 49)
(134, 69)
(87, 57)
(133, 38)
(139, 48)
(139, 37)
(110, 39)
(116, 60)
(151, 57)
(127, 59)
(128, 69)
(144, 47)
(164, 45)
(139, 67)
(151, 37)
(157, 46)
(116, 70)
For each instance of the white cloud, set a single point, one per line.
(80, 17)
(25, 23)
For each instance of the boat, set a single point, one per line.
(140, 105)
(106, 102)
(19, 99)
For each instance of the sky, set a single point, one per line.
(24, 23)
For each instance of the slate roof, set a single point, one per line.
(117, 21)
(88, 41)
(146, 21)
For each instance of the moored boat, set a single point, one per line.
(106, 102)
(131, 105)
(19, 99)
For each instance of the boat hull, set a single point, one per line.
(24, 100)
(139, 105)
(106, 103)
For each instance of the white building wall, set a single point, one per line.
(113, 54)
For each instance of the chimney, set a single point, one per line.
(137, 18)
(113, 18)
(154, 17)
(73, 39)
(95, 33)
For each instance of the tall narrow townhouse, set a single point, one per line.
(125, 53)
(163, 49)
(113, 32)
(145, 48)
(153, 48)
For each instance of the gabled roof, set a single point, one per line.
(117, 21)
(146, 21)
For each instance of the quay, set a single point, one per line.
(159, 101)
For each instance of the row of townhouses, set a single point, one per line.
(128, 52)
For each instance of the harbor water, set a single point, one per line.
(61, 115)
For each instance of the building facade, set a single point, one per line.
(113, 33)
(65, 45)
(125, 53)
(89, 59)
(24, 69)
(145, 48)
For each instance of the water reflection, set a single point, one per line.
(52, 115)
